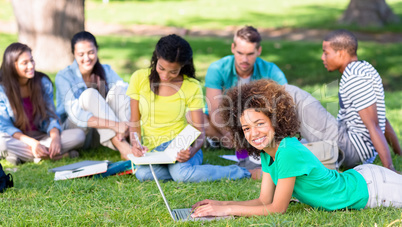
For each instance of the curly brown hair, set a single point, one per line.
(264, 96)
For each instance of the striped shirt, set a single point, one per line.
(360, 87)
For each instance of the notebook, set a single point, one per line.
(182, 141)
(79, 169)
(182, 214)
(116, 168)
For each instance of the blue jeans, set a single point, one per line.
(190, 171)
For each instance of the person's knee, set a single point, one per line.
(183, 173)
(181, 177)
(3, 145)
(80, 137)
(143, 174)
(87, 97)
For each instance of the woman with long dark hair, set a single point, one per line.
(91, 96)
(160, 98)
(29, 126)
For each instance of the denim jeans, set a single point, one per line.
(190, 171)
(384, 186)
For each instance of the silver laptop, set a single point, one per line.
(182, 214)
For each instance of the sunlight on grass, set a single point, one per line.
(122, 200)
(220, 14)
(226, 13)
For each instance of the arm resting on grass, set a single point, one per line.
(370, 119)
(392, 139)
(273, 199)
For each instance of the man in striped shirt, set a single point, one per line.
(361, 117)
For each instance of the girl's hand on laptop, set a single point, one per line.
(205, 202)
(210, 208)
(184, 155)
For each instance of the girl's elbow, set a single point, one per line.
(280, 209)
(283, 210)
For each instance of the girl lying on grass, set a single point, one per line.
(266, 118)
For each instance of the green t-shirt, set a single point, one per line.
(315, 185)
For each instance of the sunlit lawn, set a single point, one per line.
(37, 200)
(213, 14)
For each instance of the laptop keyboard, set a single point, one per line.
(182, 214)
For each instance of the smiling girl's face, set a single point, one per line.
(257, 128)
(25, 66)
(86, 55)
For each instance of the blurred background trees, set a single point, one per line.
(47, 26)
(364, 13)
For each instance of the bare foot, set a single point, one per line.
(60, 156)
(255, 173)
(122, 146)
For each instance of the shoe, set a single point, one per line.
(73, 154)
(13, 160)
(210, 143)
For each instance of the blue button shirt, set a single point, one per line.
(69, 87)
(7, 116)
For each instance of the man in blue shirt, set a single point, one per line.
(234, 70)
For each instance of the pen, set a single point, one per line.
(138, 140)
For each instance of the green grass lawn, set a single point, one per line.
(223, 13)
(212, 14)
(122, 200)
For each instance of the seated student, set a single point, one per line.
(268, 122)
(243, 66)
(160, 97)
(29, 127)
(92, 96)
(362, 107)
(318, 125)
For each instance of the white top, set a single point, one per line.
(360, 87)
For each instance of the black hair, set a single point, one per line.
(98, 69)
(342, 39)
(171, 48)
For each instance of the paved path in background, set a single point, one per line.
(294, 34)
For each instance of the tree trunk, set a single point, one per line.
(47, 26)
(364, 13)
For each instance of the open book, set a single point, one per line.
(182, 141)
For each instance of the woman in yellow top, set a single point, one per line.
(160, 98)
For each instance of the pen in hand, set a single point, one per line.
(139, 142)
